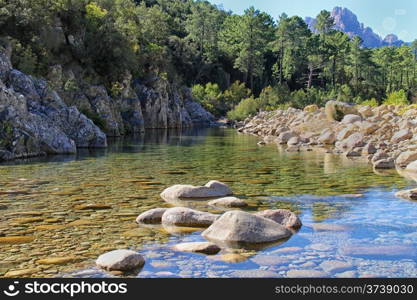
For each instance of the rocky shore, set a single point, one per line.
(386, 135)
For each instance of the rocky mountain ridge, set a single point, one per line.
(347, 21)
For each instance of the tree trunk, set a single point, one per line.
(310, 77)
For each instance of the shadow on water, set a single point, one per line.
(185, 137)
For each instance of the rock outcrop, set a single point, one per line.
(35, 121)
(135, 105)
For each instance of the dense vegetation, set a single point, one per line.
(234, 63)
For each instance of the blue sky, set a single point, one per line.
(383, 16)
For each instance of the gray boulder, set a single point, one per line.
(236, 227)
(152, 216)
(120, 260)
(211, 189)
(283, 217)
(187, 217)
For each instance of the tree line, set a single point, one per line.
(234, 63)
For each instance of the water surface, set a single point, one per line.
(78, 207)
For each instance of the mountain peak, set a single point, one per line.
(345, 20)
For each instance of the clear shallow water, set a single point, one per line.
(43, 204)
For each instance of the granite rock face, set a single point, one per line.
(35, 121)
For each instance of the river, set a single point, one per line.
(57, 214)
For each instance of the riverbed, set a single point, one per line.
(58, 213)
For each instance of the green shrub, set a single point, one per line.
(272, 97)
(244, 109)
(303, 98)
(345, 93)
(23, 58)
(235, 93)
(370, 102)
(397, 98)
(210, 97)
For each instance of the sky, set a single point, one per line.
(383, 16)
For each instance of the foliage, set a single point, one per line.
(397, 98)
(244, 109)
(370, 102)
(225, 57)
(209, 96)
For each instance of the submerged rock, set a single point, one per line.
(283, 217)
(186, 217)
(153, 216)
(211, 189)
(335, 266)
(198, 247)
(120, 260)
(379, 250)
(242, 227)
(228, 202)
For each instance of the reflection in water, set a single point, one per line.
(77, 207)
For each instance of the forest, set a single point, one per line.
(236, 65)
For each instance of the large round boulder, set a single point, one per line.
(187, 217)
(211, 189)
(152, 216)
(235, 227)
(120, 260)
(283, 217)
(336, 110)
